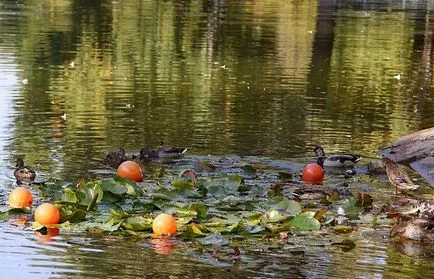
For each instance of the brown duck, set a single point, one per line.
(115, 158)
(23, 173)
(398, 176)
(162, 152)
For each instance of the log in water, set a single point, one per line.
(415, 149)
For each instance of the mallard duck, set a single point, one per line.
(115, 158)
(398, 176)
(335, 160)
(23, 173)
(162, 152)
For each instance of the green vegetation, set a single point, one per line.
(213, 205)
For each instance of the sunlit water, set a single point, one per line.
(260, 78)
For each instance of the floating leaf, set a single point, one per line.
(234, 181)
(255, 216)
(114, 189)
(137, 223)
(118, 214)
(200, 208)
(281, 203)
(343, 229)
(73, 216)
(186, 212)
(6, 213)
(158, 172)
(364, 200)
(115, 222)
(204, 166)
(252, 227)
(277, 227)
(123, 182)
(194, 229)
(37, 226)
(216, 190)
(91, 193)
(351, 207)
(260, 190)
(69, 196)
(160, 196)
(183, 183)
(320, 214)
(111, 226)
(130, 189)
(274, 216)
(215, 239)
(233, 223)
(182, 194)
(305, 223)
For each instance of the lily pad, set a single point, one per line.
(69, 196)
(204, 166)
(343, 229)
(183, 183)
(194, 230)
(73, 216)
(215, 239)
(305, 223)
(114, 189)
(274, 216)
(282, 203)
(200, 208)
(352, 207)
(137, 223)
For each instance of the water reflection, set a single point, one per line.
(263, 78)
(92, 256)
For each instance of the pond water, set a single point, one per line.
(270, 79)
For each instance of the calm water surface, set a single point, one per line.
(264, 78)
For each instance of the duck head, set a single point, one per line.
(320, 154)
(20, 163)
(319, 151)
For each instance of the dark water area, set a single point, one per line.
(267, 78)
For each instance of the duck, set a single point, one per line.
(398, 176)
(162, 152)
(337, 160)
(23, 173)
(115, 158)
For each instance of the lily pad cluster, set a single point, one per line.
(209, 200)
